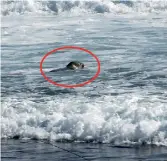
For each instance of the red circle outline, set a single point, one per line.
(66, 85)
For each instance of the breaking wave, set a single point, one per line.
(95, 6)
(110, 120)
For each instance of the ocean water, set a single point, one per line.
(123, 111)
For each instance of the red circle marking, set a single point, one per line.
(67, 85)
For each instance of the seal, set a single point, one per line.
(72, 66)
(75, 65)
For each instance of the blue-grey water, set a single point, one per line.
(124, 111)
(36, 151)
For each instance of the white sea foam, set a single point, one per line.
(96, 6)
(107, 119)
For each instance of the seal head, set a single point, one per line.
(75, 65)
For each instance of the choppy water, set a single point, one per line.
(125, 104)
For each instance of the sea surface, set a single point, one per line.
(120, 116)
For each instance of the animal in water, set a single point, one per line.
(75, 65)
(72, 66)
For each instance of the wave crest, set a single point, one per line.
(95, 6)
